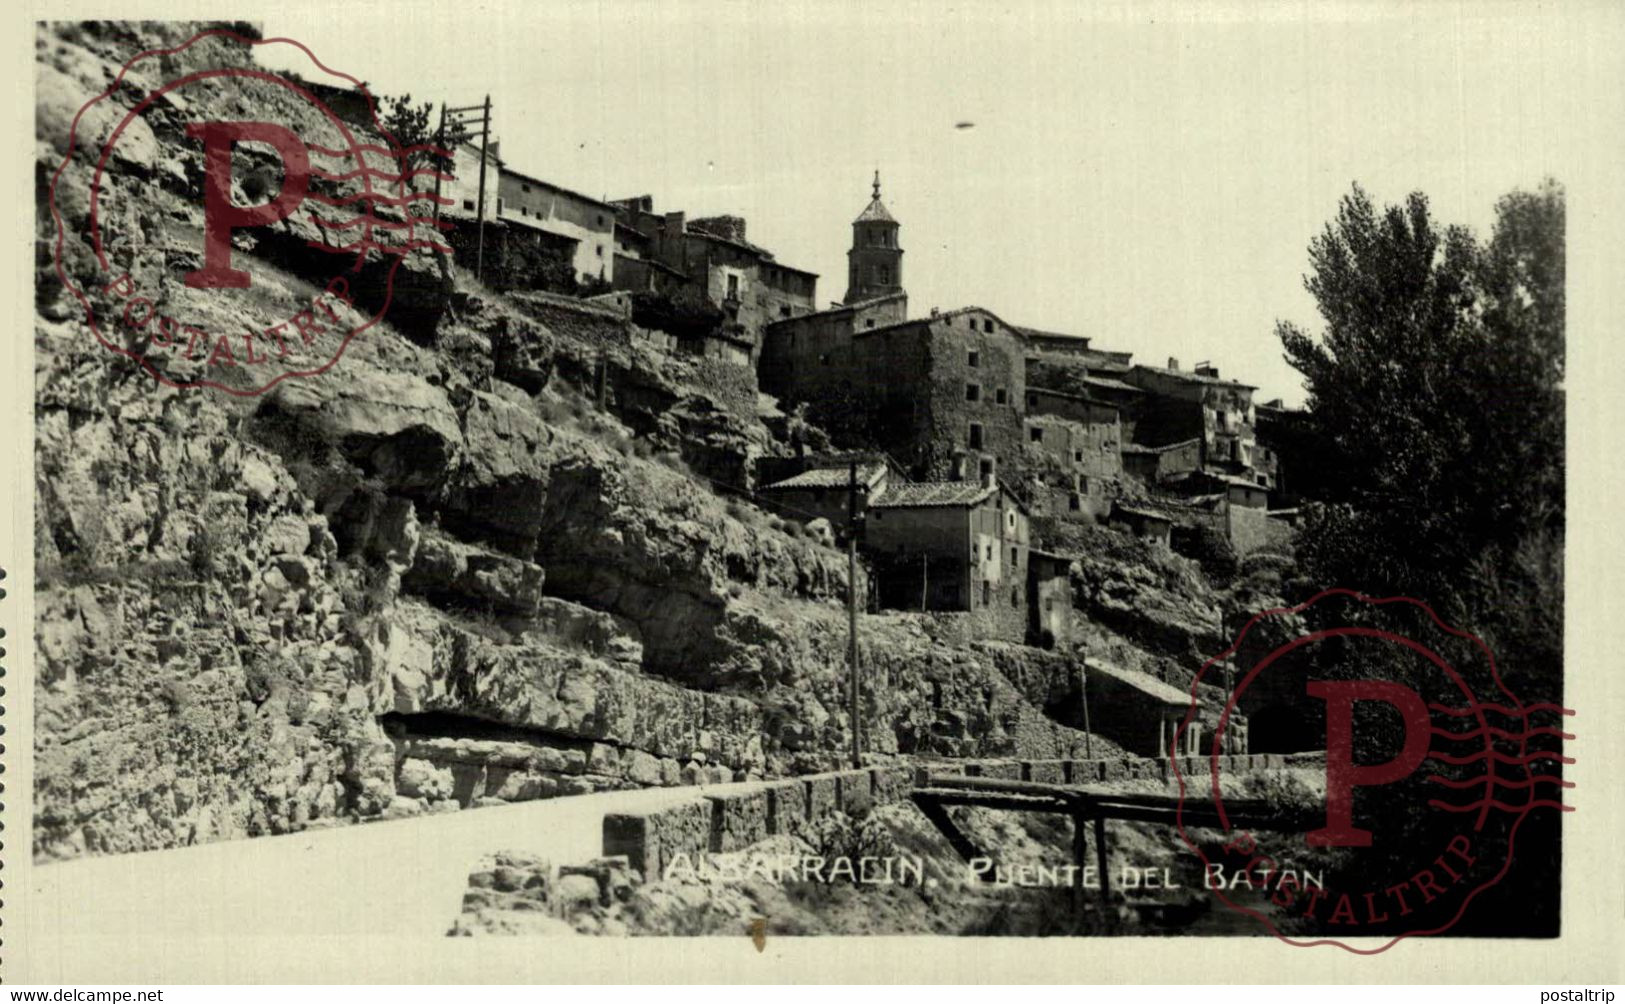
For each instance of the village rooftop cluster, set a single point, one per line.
(953, 437)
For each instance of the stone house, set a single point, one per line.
(1288, 451)
(797, 353)
(1106, 384)
(463, 188)
(1179, 405)
(583, 226)
(1156, 464)
(1233, 489)
(1147, 524)
(943, 394)
(1069, 348)
(1137, 711)
(1049, 600)
(1081, 440)
(953, 546)
(819, 490)
(647, 275)
(741, 279)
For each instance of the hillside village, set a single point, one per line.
(572, 517)
(951, 443)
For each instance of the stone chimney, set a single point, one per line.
(1173, 363)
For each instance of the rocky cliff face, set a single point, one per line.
(440, 574)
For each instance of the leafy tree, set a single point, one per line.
(1437, 389)
(1436, 386)
(414, 125)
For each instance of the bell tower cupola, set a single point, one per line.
(874, 266)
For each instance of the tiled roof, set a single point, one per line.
(831, 477)
(534, 223)
(1110, 360)
(1068, 395)
(875, 213)
(654, 263)
(1108, 383)
(522, 176)
(1145, 683)
(1142, 448)
(941, 315)
(1048, 555)
(932, 493)
(1143, 513)
(1192, 377)
(1038, 334)
(837, 308)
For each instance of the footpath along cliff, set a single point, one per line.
(449, 572)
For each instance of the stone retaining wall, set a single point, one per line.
(733, 820)
(717, 822)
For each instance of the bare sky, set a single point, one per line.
(1151, 182)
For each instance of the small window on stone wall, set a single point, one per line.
(1015, 596)
(1077, 455)
(987, 593)
(1036, 434)
(1000, 396)
(973, 359)
(987, 325)
(973, 392)
(975, 434)
(1074, 503)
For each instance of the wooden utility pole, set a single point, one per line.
(852, 610)
(485, 142)
(440, 142)
(461, 119)
(1088, 733)
(925, 580)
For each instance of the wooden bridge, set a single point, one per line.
(1086, 805)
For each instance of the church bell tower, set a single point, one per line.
(874, 266)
